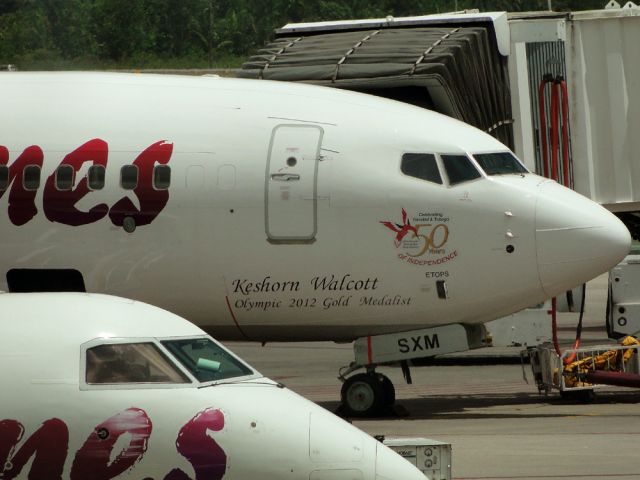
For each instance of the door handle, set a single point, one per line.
(285, 177)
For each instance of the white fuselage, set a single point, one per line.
(249, 244)
(59, 421)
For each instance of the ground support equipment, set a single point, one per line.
(589, 367)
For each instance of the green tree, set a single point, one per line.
(119, 27)
(190, 32)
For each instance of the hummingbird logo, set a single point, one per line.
(401, 230)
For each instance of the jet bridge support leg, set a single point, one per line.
(371, 393)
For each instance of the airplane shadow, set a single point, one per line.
(483, 406)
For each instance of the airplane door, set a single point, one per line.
(291, 183)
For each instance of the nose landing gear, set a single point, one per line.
(372, 394)
(367, 394)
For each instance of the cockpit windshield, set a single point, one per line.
(205, 359)
(459, 168)
(125, 363)
(499, 163)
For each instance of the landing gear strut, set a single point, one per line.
(367, 394)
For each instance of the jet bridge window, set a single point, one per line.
(459, 168)
(64, 177)
(206, 360)
(161, 177)
(31, 177)
(95, 176)
(499, 163)
(121, 363)
(422, 166)
(129, 177)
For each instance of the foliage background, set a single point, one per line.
(81, 34)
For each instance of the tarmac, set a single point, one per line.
(499, 426)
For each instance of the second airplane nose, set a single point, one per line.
(391, 466)
(576, 239)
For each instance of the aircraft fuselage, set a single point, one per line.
(287, 215)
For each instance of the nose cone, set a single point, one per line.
(339, 451)
(576, 239)
(391, 466)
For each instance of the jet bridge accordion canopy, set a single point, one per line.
(453, 70)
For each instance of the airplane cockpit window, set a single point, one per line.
(161, 177)
(129, 177)
(31, 177)
(422, 166)
(4, 178)
(499, 163)
(95, 175)
(459, 168)
(206, 360)
(119, 363)
(64, 177)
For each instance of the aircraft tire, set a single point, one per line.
(388, 389)
(362, 395)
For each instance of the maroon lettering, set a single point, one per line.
(93, 459)
(208, 459)
(152, 201)
(48, 445)
(60, 206)
(22, 207)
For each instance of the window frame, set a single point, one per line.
(475, 165)
(4, 188)
(488, 152)
(242, 378)
(104, 178)
(443, 178)
(122, 168)
(193, 382)
(73, 178)
(153, 182)
(24, 177)
(84, 385)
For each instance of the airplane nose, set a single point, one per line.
(576, 239)
(391, 466)
(340, 451)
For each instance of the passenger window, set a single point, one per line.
(4, 178)
(161, 177)
(459, 168)
(500, 163)
(31, 177)
(422, 166)
(129, 177)
(206, 360)
(119, 363)
(95, 177)
(64, 177)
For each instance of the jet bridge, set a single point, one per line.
(594, 53)
(453, 64)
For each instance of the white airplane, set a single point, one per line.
(98, 387)
(274, 211)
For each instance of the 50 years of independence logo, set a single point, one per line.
(423, 242)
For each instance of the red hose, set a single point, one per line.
(543, 127)
(554, 327)
(558, 87)
(620, 379)
(554, 130)
(565, 134)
